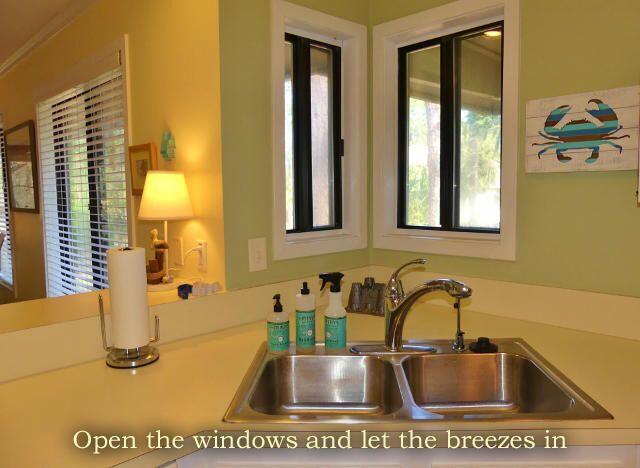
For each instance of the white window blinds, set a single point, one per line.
(82, 160)
(6, 257)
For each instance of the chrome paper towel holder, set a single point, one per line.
(129, 358)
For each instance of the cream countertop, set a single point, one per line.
(190, 387)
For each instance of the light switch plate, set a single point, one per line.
(258, 254)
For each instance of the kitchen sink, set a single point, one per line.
(514, 383)
(320, 385)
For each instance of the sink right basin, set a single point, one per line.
(482, 384)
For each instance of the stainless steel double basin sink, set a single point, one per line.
(514, 383)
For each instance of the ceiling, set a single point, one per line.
(23, 21)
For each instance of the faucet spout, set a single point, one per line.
(394, 290)
(398, 312)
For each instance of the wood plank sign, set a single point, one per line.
(595, 131)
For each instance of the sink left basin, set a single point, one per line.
(345, 385)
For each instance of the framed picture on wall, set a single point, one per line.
(594, 131)
(22, 167)
(142, 159)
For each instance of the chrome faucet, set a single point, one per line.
(399, 304)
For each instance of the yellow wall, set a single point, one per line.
(175, 84)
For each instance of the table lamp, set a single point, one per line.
(165, 198)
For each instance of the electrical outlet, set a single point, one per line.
(178, 251)
(258, 254)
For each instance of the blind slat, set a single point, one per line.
(59, 134)
(6, 251)
(83, 166)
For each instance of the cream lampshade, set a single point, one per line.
(165, 198)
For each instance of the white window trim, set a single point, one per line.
(429, 24)
(352, 38)
(112, 55)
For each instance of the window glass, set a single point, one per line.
(480, 122)
(313, 191)
(288, 134)
(423, 139)
(449, 123)
(321, 137)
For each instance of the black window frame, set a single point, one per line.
(450, 106)
(302, 162)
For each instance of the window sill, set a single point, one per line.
(465, 244)
(306, 244)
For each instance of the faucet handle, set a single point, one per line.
(395, 291)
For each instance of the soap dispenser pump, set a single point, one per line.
(335, 316)
(278, 328)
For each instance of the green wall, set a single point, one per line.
(246, 140)
(577, 231)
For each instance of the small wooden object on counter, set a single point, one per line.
(155, 266)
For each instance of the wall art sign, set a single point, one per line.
(595, 131)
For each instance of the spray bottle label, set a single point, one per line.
(335, 332)
(305, 328)
(278, 336)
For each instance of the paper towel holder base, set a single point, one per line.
(132, 358)
(119, 358)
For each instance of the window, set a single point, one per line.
(312, 135)
(445, 130)
(449, 117)
(319, 132)
(6, 257)
(82, 160)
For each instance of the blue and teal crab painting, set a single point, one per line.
(581, 133)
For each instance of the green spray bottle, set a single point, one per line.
(335, 316)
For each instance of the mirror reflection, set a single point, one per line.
(86, 197)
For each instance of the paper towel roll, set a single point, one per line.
(128, 295)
